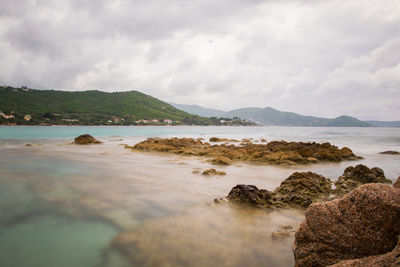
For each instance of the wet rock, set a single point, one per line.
(213, 172)
(364, 223)
(390, 152)
(301, 189)
(359, 175)
(250, 195)
(86, 139)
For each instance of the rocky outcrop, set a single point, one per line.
(250, 195)
(86, 139)
(275, 152)
(390, 152)
(358, 175)
(364, 223)
(299, 190)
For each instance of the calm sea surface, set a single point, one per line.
(103, 205)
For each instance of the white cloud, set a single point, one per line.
(323, 58)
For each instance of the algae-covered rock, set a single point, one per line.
(86, 139)
(275, 152)
(359, 175)
(301, 189)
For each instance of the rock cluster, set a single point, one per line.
(301, 189)
(86, 139)
(360, 229)
(275, 152)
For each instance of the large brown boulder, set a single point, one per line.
(364, 223)
(301, 189)
(250, 195)
(86, 139)
(359, 175)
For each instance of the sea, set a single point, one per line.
(107, 206)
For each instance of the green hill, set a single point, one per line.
(89, 108)
(270, 116)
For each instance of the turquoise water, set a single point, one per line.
(68, 205)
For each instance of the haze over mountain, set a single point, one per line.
(385, 123)
(198, 110)
(270, 116)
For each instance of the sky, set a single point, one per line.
(323, 58)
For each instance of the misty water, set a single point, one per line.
(103, 205)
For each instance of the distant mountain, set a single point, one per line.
(384, 123)
(29, 106)
(198, 110)
(270, 116)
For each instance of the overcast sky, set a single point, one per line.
(314, 57)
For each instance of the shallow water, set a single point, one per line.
(103, 205)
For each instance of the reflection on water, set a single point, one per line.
(67, 205)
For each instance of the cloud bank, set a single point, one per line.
(314, 57)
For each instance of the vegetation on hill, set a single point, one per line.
(48, 107)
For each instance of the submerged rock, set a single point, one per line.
(275, 152)
(86, 139)
(213, 172)
(359, 175)
(390, 152)
(364, 223)
(221, 160)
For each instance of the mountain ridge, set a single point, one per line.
(271, 116)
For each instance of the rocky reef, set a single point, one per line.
(86, 139)
(301, 189)
(359, 229)
(275, 152)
